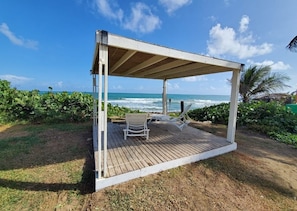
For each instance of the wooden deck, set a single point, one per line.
(167, 147)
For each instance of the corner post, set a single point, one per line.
(164, 97)
(102, 40)
(233, 106)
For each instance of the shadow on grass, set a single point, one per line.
(231, 165)
(35, 148)
(85, 186)
(255, 145)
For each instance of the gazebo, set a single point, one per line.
(120, 56)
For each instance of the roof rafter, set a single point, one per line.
(146, 63)
(178, 70)
(123, 59)
(164, 67)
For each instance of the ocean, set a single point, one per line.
(153, 102)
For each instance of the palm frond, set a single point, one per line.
(292, 46)
(259, 80)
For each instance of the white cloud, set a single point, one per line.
(227, 41)
(117, 87)
(173, 5)
(59, 84)
(109, 9)
(4, 29)
(142, 19)
(212, 18)
(244, 23)
(172, 86)
(15, 80)
(195, 78)
(280, 66)
(227, 2)
(212, 88)
(273, 65)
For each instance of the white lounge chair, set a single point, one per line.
(136, 125)
(180, 122)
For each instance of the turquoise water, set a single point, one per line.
(153, 102)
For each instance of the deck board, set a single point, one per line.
(165, 143)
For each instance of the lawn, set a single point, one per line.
(50, 167)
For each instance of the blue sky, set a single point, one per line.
(51, 43)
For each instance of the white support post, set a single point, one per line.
(233, 106)
(102, 39)
(100, 126)
(105, 57)
(164, 97)
(95, 115)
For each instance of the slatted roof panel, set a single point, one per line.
(132, 58)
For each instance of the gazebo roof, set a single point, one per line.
(133, 58)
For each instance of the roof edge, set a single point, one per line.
(102, 37)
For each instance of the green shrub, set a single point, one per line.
(272, 119)
(64, 106)
(118, 111)
(32, 106)
(216, 113)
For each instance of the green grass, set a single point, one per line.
(49, 167)
(11, 148)
(70, 127)
(39, 163)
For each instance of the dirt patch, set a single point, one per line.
(276, 161)
(6, 131)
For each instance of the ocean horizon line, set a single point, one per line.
(152, 102)
(147, 93)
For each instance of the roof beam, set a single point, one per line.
(164, 67)
(197, 71)
(147, 63)
(123, 59)
(178, 70)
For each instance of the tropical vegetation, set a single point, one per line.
(272, 119)
(33, 106)
(292, 46)
(36, 107)
(256, 81)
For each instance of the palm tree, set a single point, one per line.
(292, 46)
(259, 80)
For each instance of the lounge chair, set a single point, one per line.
(136, 125)
(180, 122)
